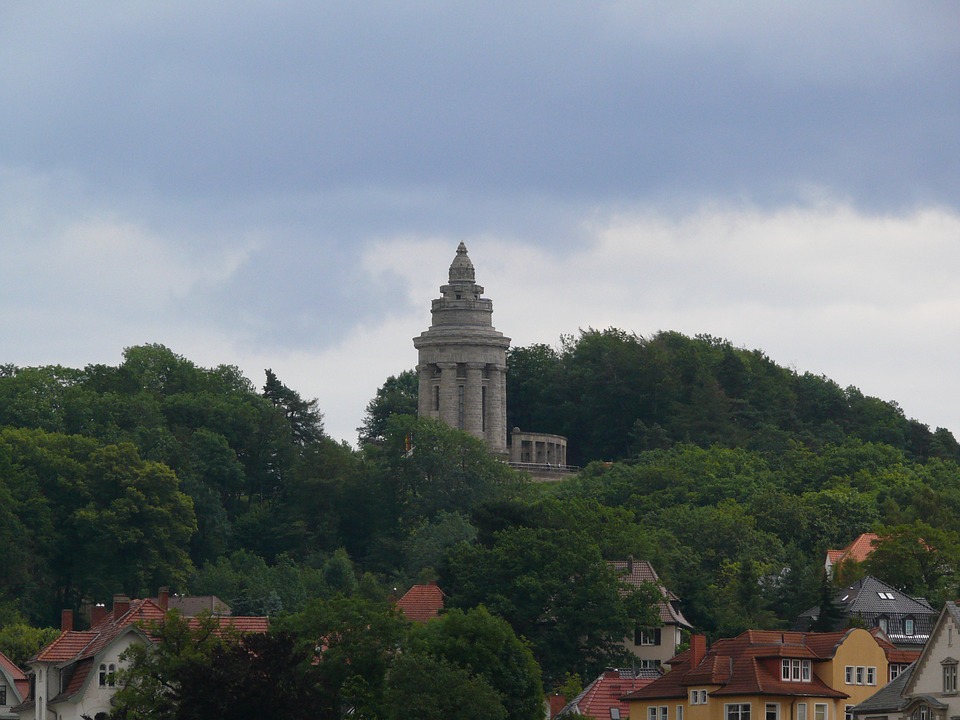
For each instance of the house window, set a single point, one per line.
(820, 711)
(848, 674)
(801, 711)
(649, 664)
(950, 677)
(908, 626)
(679, 712)
(882, 623)
(108, 675)
(657, 713)
(795, 670)
(861, 674)
(896, 669)
(3, 694)
(771, 711)
(921, 713)
(614, 713)
(848, 712)
(871, 676)
(647, 636)
(737, 711)
(698, 697)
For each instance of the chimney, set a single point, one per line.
(629, 564)
(97, 613)
(66, 620)
(163, 598)
(121, 606)
(698, 649)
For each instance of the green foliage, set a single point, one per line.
(919, 559)
(397, 396)
(427, 688)
(554, 588)
(486, 647)
(199, 669)
(615, 394)
(20, 641)
(252, 587)
(358, 641)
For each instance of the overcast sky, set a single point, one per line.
(284, 185)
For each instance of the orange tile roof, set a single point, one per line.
(858, 550)
(422, 602)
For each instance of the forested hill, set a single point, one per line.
(614, 395)
(731, 474)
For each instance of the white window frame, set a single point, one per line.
(872, 675)
(652, 712)
(795, 670)
(861, 674)
(736, 711)
(679, 712)
(801, 711)
(848, 674)
(909, 626)
(775, 708)
(821, 711)
(664, 712)
(698, 697)
(848, 712)
(950, 678)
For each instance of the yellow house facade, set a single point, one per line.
(767, 675)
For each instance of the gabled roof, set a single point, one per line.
(858, 550)
(422, 602)
(749, 665)
(78, 644)
(605, 692)
(15, 678)
(640, 572)
(889, 698)
(75, 651)
(949, 613)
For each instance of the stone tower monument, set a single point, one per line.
(462, 361)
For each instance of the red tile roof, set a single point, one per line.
(422, 602)
(19, 678)
(749, 664)
(605, 692)
(80, 647)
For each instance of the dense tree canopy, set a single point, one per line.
(731, 474)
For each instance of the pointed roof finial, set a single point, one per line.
(461, 269)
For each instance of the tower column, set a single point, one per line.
(497, 409)
(424, 390)
(449, 394)
(473, 399)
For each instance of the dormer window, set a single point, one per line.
(882, 623)
(795, 670)
(908, 626)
